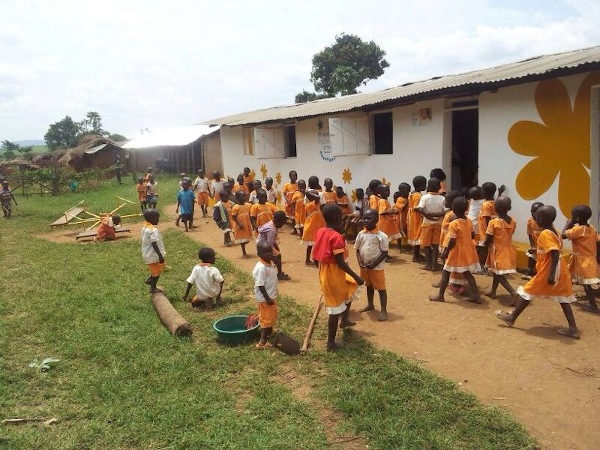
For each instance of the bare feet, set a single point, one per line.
(334, 346)
(491, 295)
(436, 284)
(367, 308)
(348, 323)
(263, 345)
(382, 317)
(428, 268)
(569, 333)
(474, 300)
(506, 317)
(437, 298)
(515, 299)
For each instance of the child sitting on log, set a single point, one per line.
(207, 279)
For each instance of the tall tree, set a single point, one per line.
(92, 124)
(343, 67)
(62, 134)
(9, 149)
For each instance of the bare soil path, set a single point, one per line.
(549, 382)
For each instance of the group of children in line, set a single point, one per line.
(466, 231)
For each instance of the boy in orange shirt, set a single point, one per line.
(415, 218)
(261, 212)
(141, 189)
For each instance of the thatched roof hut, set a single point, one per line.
(93, 152)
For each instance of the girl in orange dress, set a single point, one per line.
(261, 212)
(552, 280)
(329, 195)
(240, 215)
(460, 253)
(372, 194)
(339, 283)
(457, 280)
(314, 217)
(502, 255)
(298, 208)
(585, 241)
(401, 202)
(287, 191)
(387, 214)
(533, 231)
(415, 219)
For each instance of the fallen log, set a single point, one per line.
(169, 317)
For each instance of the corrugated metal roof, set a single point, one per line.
(173, 136)
(507, 74)
(95, 149)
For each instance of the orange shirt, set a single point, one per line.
(262, 213)
(329, 197)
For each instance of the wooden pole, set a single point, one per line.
(311, 325)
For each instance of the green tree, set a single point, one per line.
(306, 96)
(347, 64)
(62, 134)
(10, 149)
(92, 124)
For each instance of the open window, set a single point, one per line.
(349, 136)
(383, 133)
(290, 141)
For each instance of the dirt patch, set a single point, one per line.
(550, 383)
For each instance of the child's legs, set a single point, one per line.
(308, 252)
(443, 285)
(243, 245)
(265, 333)
(345, 317)
(506, 285)
(530, 266)
(473, 285)
(277, 261)
(566, 307)
(589, 295)
(383, 301)
(332, 325)
(494, 288)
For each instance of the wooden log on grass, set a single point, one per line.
(169, 317)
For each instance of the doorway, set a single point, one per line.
(465, 146)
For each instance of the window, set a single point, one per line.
(349, 136)
(383, 131)
(269, 142)
(248, 141)
(290, 140)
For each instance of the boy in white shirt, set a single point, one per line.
(201, 188)
(372, 247)
(207, 279)
(265, 291)
(432, 208)
(153, 249)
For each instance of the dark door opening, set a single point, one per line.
(465, 149)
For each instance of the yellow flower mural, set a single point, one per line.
(560, 146)
(263, 171)
(278, 178)
(386, 182)
(346, 176)
(353, 196)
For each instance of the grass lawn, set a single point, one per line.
(124, 382)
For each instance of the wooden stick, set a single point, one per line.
(311, 325)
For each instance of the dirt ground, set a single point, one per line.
(548, 382)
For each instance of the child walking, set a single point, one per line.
(185, 204)
(502, 255)
(415, 219)
(222, 216)
(207, 279)
(141, 190)
(314, 217)
(339, 283)
(460, 253)
(533, 232)
(242, 226)
(552, 280)
(584, 259)
(153, 249)
(152, 192)
(372, 248)
(201, 188)
(265, 292)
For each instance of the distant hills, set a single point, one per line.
(28, 142)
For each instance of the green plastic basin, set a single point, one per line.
(231, 330)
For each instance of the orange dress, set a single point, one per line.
(373, 201)
(242, 214)
(402, 216)
(287, 191)
(262, 213)
(462, 257)
(387, 223)
(488, 209)
(313, 223)
(344, 204)
(415, 219)
(329, 197)
(502, 255)
(562, 289)
(299, 209)
(583, 265)
(106, 230)
(141, 190)
(455, 277)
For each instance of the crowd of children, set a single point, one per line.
(461, 234)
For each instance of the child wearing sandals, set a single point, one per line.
(552, 280)
(339, 283)
(584, 263)
(460, 253)
(502, 255)
(265, 292)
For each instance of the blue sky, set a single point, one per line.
(154, 64)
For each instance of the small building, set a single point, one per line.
(180, 149)
(93, 152)
(532, 125)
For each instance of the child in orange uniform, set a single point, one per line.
(552, 280)
(287, 191)
(141, 189)
(401, 202)
(342, 200)
(431, 207)
(387, 214)
(201, 188)
(314, 217)
(265, 292)
(329, 194)
(502, 255)
(460, 253)
(487, 213)
(415, 218)
(533, 231)
(298, 208)
(240, 215)
(339, 283)
(372, 194)
(106, 229)
(457, 280)
(586, 248)
(261, 212)
(153, 249)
